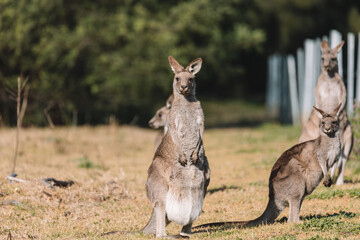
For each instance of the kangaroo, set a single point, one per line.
(159, 120)
(298, 171)
(179, 173)
(329, 92)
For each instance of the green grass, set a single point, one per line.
(336, 193)
(317, 237)
(86, 163)
(284, 237)
(334, 223)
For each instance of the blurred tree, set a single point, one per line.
(96, 59)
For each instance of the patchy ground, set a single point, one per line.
(109, 164)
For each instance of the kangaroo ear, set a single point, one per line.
(325, 46)
(169, 101)
(336, 111)
(338, 48)
(195, 66)
(175, 66)
(319, 112)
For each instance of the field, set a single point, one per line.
(108, 165)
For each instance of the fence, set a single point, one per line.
(291, 82)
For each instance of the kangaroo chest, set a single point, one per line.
(333, 153)
(188, 124)
(329, 95)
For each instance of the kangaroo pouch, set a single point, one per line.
(185, 197)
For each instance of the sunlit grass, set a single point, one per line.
(109, 167)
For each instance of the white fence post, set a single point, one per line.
(294, 101)
(273, 87)
(309, 95)
(358, 73)
(335, 39)
(350, 71)
(317, 62)
(300, 58)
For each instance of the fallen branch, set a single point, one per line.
(15, 179)
(9, 237)
(14, 203)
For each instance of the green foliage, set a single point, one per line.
(89, 60)
(110, 57)
(353, 193)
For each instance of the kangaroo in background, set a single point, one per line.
(329, 92)
(159, 120)
(298, 171)
(179, 173)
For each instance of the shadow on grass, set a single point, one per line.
(221, 226)
(351, 181)
(223, 188)
(340, 214)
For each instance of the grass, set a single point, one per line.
(335, 193)
(108, 165)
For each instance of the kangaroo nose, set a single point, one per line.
(183, 87)
(151, 124)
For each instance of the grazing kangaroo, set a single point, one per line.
(329, 92)
(179, 173)
(159, 120)
(298, 171)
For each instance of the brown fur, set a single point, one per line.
(298, 171)
(329, 92)
(179, 173)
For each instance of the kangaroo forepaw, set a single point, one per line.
(182, 160)
(327, 182)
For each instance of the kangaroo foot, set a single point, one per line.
(327, 182)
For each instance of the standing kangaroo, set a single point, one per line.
(329, 92)
(179, 173)
(298, 171)
(159, 120)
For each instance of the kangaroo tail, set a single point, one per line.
(150, 227)
(271, 212)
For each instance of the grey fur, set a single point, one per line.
(179, 173)
(329, 92)
(298, 171)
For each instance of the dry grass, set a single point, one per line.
(109, 164)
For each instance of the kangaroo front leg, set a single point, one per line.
(327, 181)
(195, 154)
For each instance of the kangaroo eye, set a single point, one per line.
(322, 59)
(333, 59)
(191, 79)
(159, 114)
(177, 79)
(334, 122)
